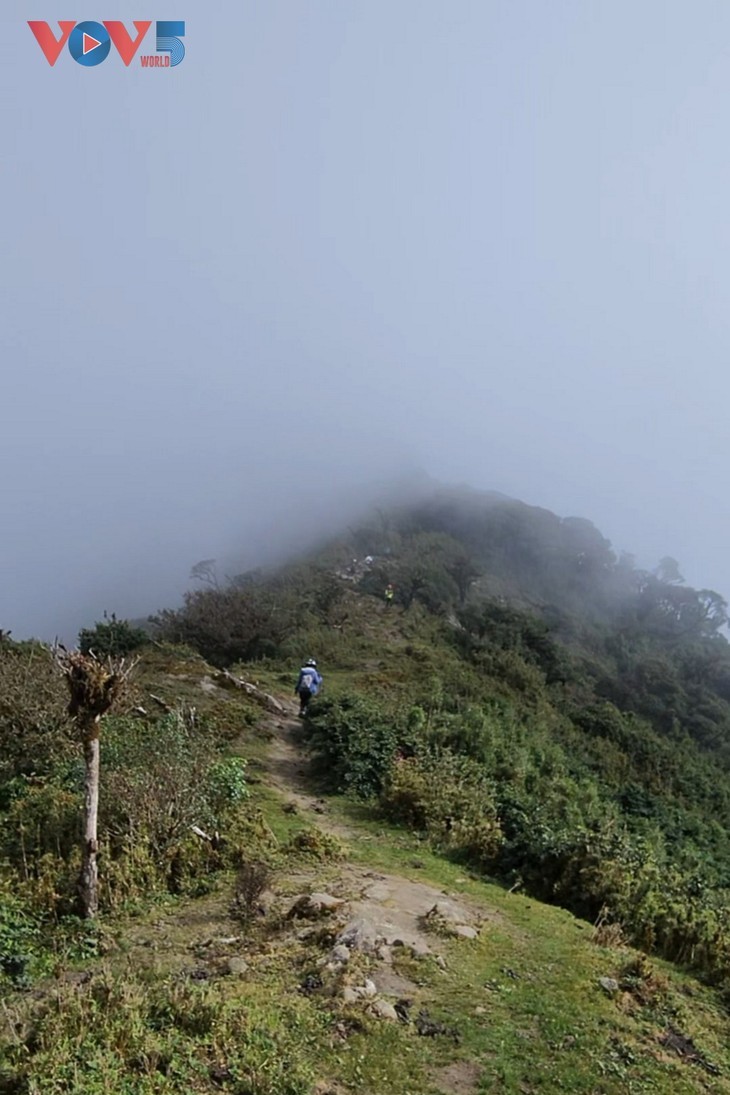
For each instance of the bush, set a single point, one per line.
(227, 785)
(33, 715)
(251, 881)
(354, 741)
(315, 843)
(161, 778)
(111, 638)
(20, 930)
(449, 799)
(158, 780)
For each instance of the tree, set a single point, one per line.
(713, 610)
(668, 571)
(206, 572)
(94, 687)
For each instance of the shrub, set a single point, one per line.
(33, 714)
(111, 638)
(227, 785)
(354, 741)
(316, 843)
(449, 799)
(251, 881)
(20, 930)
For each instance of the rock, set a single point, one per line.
(313, 906)
(369, 988)
(237, 966)
(447, 917)
(440, 961)
(378, 891)
(609, 985)
(465, 932)
(360, 935)
(384, 1010)
(340, 953)
(265, 903)
(480, 1010)
(349, 995)
(448, 912)
(420, 950)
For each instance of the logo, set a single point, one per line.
(90, 43)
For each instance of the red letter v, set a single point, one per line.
(44, 37)
(121, 39)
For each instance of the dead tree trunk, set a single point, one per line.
(94, 687)
(89, 878)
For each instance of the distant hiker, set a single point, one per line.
(308, 685)
(389, 594)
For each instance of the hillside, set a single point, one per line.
(532, 720)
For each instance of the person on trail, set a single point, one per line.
(308, 685)
(389, 593)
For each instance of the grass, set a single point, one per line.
(524, 998)
(162, 1012)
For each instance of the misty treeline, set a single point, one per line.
(532, 702)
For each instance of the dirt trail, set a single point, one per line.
(288, 771)
(392, 906)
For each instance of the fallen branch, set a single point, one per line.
(165, 706)
(213, 840)
(227, 680)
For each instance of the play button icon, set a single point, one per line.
(89, 43)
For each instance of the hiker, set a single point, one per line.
(308, 685)
(389, 594)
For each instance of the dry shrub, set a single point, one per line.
(608, 933)
(316, 843)
(251, 881)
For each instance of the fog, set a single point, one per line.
(345, 244)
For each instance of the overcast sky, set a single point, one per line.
(345, 240)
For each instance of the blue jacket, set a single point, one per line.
(312, 678)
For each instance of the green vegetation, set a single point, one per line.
(111, 638)
(532, 711)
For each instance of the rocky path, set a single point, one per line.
(377, 912)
